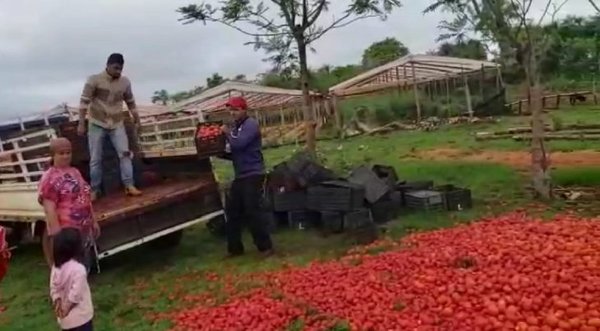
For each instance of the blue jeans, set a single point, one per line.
(118, 138)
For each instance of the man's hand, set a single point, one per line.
(226, 129)
(81, 128)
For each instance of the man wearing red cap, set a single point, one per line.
(244, 201)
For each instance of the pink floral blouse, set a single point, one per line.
(71, 194)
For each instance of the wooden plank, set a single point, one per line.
(114, 205)
(49, 132)
(160, 132)
(32, 161)
(26, 149)
(27, 175)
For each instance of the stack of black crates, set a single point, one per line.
(304, 194)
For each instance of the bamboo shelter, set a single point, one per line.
(279, 111)
(428, 76)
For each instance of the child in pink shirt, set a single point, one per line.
(69, 289)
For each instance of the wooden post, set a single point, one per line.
(467, 95)
(21, 124)
(338, 116)
(520, 107)
(499, 81)
(558, 101)
(447, 91)
(281, 116)
(416, 90)
(594, 91)
(482, 81)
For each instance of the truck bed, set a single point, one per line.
(128, 221)
(117, 206)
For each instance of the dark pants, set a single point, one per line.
(244, 208)
(86, 327)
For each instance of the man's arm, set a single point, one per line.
(130, 101)
(247, 134)
(86, 98)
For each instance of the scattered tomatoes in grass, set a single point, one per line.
(522, 274)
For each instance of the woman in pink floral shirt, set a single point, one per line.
(66, 198)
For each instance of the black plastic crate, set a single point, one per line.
(424, 200)
(303, 219)
(332, 221)
(207, 146)
(288, 201)
(375, 187)
(387, 174)
(357, 219)
(384, 211)
(315, 173)
(405, 186)
(455, 198)
(335, 196)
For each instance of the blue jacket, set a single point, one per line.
(246, 148)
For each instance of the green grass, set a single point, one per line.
(584, 176)
(146, 280)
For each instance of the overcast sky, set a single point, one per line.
(48, 48)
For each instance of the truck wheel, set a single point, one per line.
(168, 241)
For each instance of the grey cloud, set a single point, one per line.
(48, 48)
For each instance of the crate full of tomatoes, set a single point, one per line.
(210, 140)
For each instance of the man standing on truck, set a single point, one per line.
(103, 94)
(244, 200)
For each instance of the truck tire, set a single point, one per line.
(168, 241)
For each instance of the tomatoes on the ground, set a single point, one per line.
(505, 273)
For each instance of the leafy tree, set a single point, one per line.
(382, 52)
(287, 30)
(214, 80)
(161, 97)
(574, 49)
(522, 39)
(182, 95)
(471, 49)
(240, 78)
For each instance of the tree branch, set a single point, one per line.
(595, 5)
(339, 23)
(305, 14)
(252, 34)
(314, 15)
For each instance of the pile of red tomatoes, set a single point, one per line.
(209, 131)
(506, 273)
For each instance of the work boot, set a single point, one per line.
(132, 191)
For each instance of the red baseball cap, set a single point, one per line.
(237, 102)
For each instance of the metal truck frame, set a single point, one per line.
(179, 187)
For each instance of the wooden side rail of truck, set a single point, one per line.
(179, 188)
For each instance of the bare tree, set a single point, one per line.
(288, 29)
(511, 25)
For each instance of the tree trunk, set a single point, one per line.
(306, 101)
(539, 153)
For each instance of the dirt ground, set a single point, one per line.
(518, 159)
